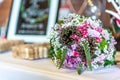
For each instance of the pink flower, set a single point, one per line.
(86, 62)
(76, 53)
(80, 28)
(86, 24)
(99, 29)
(74, 36)
(98, 39)
(59, 29)
(83, 30)
(118, 21)
(79, 40)
(71, 63)
(84, 33)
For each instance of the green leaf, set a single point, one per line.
(107, 62)
(107, 28)
(94, 56)
(58, 54)
(22, 8)
(80, 20)
(51, 52)
(114, 53)
(86, 47)
(80, 68)
(62, 58)
(99, 63)
(103, 44)
(60, 22)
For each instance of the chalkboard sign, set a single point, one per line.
(31, 20)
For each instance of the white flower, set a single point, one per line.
(105, 49)
(110, 57)
(100, 58)
(95, 66)
(68, 24)
(56, 26)
(105, 34)
(94, 23)
(98, 52)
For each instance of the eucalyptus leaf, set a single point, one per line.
(64, 52)
(80, 68)
(114, 53)
(58, 54)
(86, 47)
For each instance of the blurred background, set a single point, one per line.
(96, 11)
(5, 7)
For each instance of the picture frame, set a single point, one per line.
(32, 21)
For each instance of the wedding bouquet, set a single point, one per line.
(81, 43)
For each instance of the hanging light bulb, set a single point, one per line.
(1, 1)
(93, 9)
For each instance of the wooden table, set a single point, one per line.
(43, 69)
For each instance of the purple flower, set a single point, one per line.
(71, 62)
(101, 57)
(112, 43)
(105, 34)
(98, 39)
(93, 33)
(74, 46)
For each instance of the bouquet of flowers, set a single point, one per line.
(79, 42)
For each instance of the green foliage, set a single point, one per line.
(99, 63)
(107, 62)
(60, 22)
(80, 20)
(103, 44)
(94, 56)
(51, 52)
(80, 68)
(49, 2)
(58, 54)
(22, 8)
(63, 56)
(114, 53)
(107, 28)
(86, 47)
